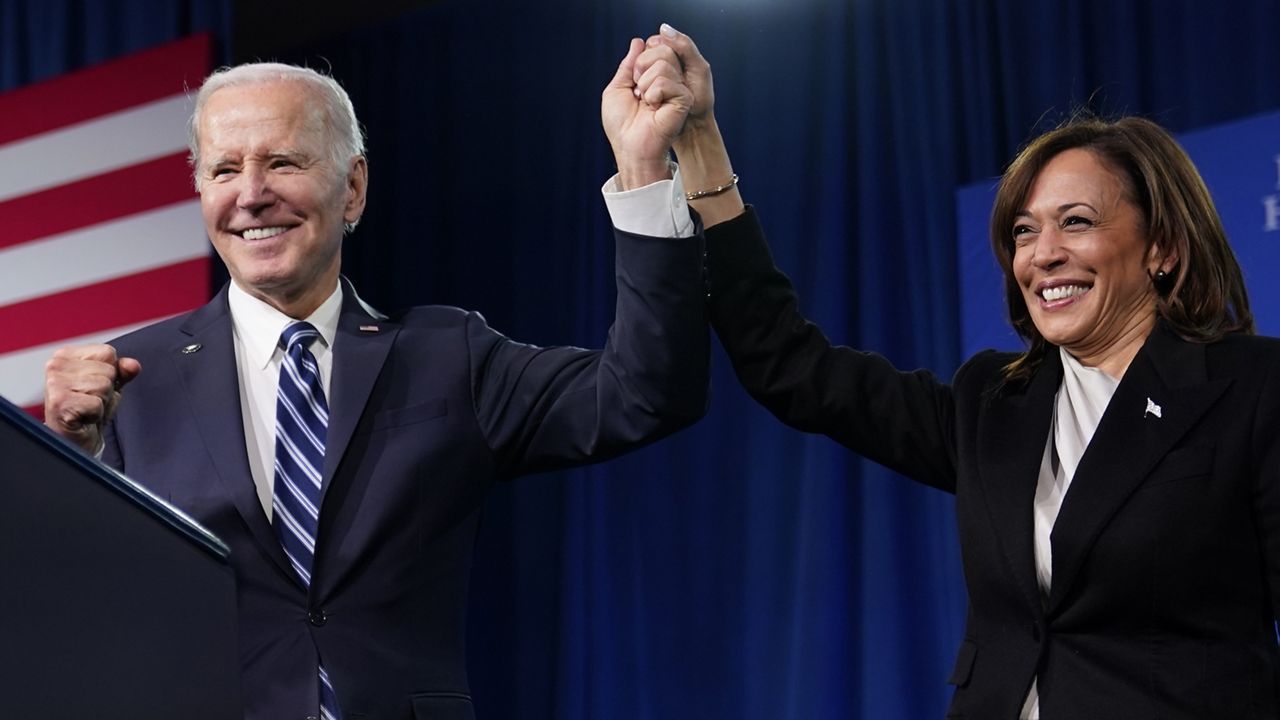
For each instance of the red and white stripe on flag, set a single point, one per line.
(100, 229)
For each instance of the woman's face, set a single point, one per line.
(1081, 258)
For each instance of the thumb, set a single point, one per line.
(126, 370)
(622, 78)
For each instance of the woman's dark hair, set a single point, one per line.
(1204, 298)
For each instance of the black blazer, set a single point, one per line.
(428, 409)
(1166, 552)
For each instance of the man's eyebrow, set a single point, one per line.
(288, 154)
(218, 160)
(292, 154)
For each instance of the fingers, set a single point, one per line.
(82, 385)
(663, 91)
(690, 58)
(673, 47)
(653, 65)
(660, 86)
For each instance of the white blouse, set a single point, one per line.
(1077, 410)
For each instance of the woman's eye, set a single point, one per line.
(1021, 230)
(1077, 221)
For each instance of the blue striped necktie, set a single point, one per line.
(302, 421)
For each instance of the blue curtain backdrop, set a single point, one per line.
(43, 38)
(739, 570)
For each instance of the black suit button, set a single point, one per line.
(317, 618)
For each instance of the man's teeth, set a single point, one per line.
(1063, 291)
(262, 233)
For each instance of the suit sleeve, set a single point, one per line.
(111, 456)
(544, 408)
(903, 420)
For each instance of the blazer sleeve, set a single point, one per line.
(1266, 488)
(541, 408)
(903, 420)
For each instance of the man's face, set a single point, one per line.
(274, 204)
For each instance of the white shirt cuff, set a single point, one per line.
(657, 210)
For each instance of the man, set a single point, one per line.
(345, 461)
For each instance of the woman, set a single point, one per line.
(1116, 484)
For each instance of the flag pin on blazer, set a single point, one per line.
(193, 347)
(1152, 408)
(368, 328)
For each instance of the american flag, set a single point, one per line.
(100, 229)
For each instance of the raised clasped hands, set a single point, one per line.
(673, 47)
(704, 159)
(644, 111)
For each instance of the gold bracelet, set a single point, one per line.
(733, 180)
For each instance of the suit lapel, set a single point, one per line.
(360, 348)
(206, 361)
(1012, 435)
(361, 345)
(1131, 439)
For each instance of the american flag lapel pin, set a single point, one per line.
(369, 328)
(1152, 408)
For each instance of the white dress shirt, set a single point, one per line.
(256, 327)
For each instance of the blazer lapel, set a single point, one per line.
(206, 361)
(1012, 436)
(1164, 392)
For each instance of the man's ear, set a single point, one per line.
(357, 187)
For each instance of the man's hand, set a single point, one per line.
(644, 113)
(81, 390)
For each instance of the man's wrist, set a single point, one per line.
(637, 173)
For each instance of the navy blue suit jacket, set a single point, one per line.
(427, 412)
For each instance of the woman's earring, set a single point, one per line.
(1162, 281)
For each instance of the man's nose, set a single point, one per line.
(255, 190)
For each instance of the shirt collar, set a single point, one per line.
(258, 325)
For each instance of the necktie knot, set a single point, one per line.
(299, 333)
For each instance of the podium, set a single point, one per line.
(113, 605)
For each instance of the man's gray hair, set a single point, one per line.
(336, 110)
